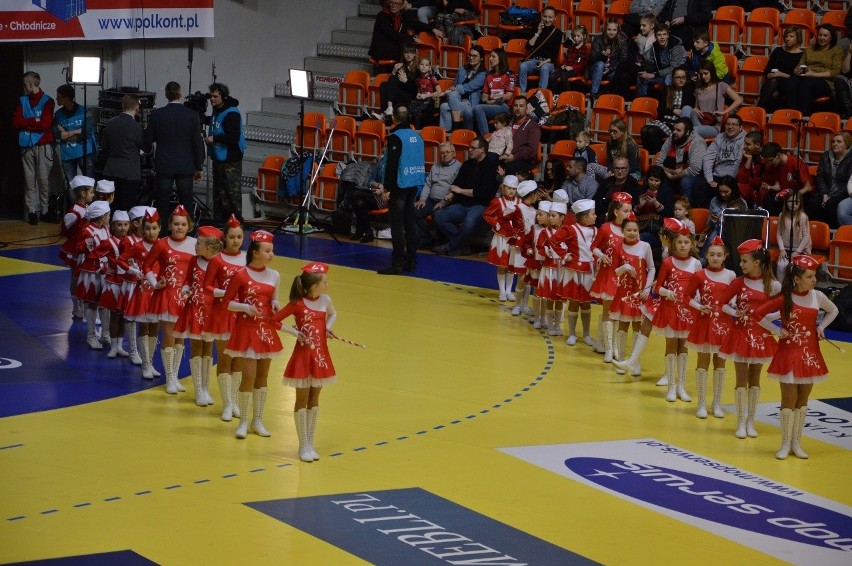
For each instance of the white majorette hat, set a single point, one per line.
(560, 195)
(511, 181)
(105, 186)
(583, 205)
(120, 216)
(526, 187)
(544, 205)
(97, 209)
(82, 181)
(137, 212)
(560, 207)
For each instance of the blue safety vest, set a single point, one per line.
(25, 137)
(70, 149)
(412, 172)
(220, 150)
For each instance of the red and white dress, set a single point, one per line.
(114, 275)
(190, 323)
(517, 257)
(534, 259)
(73, 221)
(89, 279)
(798, 358)
(578, 274)
(222, 267)
(129, 281)
(504, 225)
(173, 258)
(674, 317)
(747, 341)
(706, 289)
(254, 337)
(549, 286)
(310, 364)
(608, 238)
(626, 306)
(136, 299)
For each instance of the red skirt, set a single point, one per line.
(605, 285)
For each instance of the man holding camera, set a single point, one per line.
(179, 158)
(227, 144)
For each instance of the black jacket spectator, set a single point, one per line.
(391, 33)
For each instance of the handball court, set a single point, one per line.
(459, 435)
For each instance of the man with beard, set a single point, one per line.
(682, 157)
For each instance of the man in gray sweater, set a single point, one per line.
(438, 182)
(722, 158)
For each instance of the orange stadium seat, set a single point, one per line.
(753, 117)
(760, 34)
(352, 93)
(489, 16)
(461, 139)
(607, 108)
(805, 19)
(726, 27)
(325, 189)
(592, 14)
(342, 138)
(750, 77)
(268, 178)
(370, 139)
(817, 135)
(782, 128)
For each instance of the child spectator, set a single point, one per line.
(576, 58)
(428, 91)
(582, 149)
(792, 222)
(501, 140)
(683, 213)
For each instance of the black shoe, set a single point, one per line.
(464, 250)
(392, 270)
(409, 265)
(366, 238)
(32, 218)
(356, 236)
(440, 250)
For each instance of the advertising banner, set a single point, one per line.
(58, 20)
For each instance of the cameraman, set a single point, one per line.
(176, 131)
(227, 144)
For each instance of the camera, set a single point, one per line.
(197, 101)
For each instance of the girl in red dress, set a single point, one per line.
(173, 256)
(747, 343)
(609, 237)
(73, 221)
(711, 325)
(798, 362)
(89, 281)
(674, 316)
(504, 217)
(253, 294)
(550, 282)
(579, 269)
(527, 191)
(129, 280)
(219, 324)
(113, 279)
(634, 267)
(310, 366)
(192, 320)
(534, 259)
(138, 295)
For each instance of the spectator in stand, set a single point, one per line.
(465, 94)
(682, 157)
(680, 94)
(450, 12)
(833, 173)
(655, 202)
(784, 173)
(526, 139)
(422, 108)
(392, 31)
(401, 87)
(728, 196)
(844, 209)
(33, 119)
(781, 66)
(620, 144)
(709, 111)
(620, 181)
(438, 181)
(609, 53)
(722, 159)
(554, 176)
(705, 51)
(497, 91)
(814, 77)
(426, 10)
(752, 166)
(581, 181)
(543, 47)
(687, 19)
(469, 195)
(576, 59)
(843, 86)
(643, 45)
(666, 55)
(638, 9)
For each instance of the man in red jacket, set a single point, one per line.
(33, 118)
(526, 137)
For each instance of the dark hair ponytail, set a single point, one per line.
(253, 247)
(787, 286)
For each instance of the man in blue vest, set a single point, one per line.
(68, 131)
(405, 175)
(33, 119)
(227, 143)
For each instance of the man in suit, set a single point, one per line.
(179, 157)
(122, 142)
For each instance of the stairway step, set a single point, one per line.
(266, 134)
(272, 120)
(334, 66)
(258, 150)
(321, 93)
(357, 23)
(345, 51)
(348, 37)
(291, 106)
(369, 10)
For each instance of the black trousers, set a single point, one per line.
(403, 226)
(126, 193)
(163, 194)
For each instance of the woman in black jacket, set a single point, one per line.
(833, 172)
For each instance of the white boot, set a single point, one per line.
(78, 310)
(206, 370)
(152, 347)
(607, 341)
(681, 378)
(619, 347)
(663, 381)
(701, 381)
(259, 403)
(741, 398)
(718, 387)
(133, 343)
(195, 370)
(798, 425)
(147, 368)
(224, 380)
(120, 350)
(236, 379)
(91, 331)
(671, 373)
(243, 400)
(168, 356)
(631, 363)
(599, 347)
(113, 347)
(301, 418)
(179, 347)
(753, 396)
(313, 415)
(786, 433)
(103, 315)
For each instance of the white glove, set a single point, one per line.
(508, 211)
(218, 293)
(665, 293)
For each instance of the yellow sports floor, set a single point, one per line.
(447, 380)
